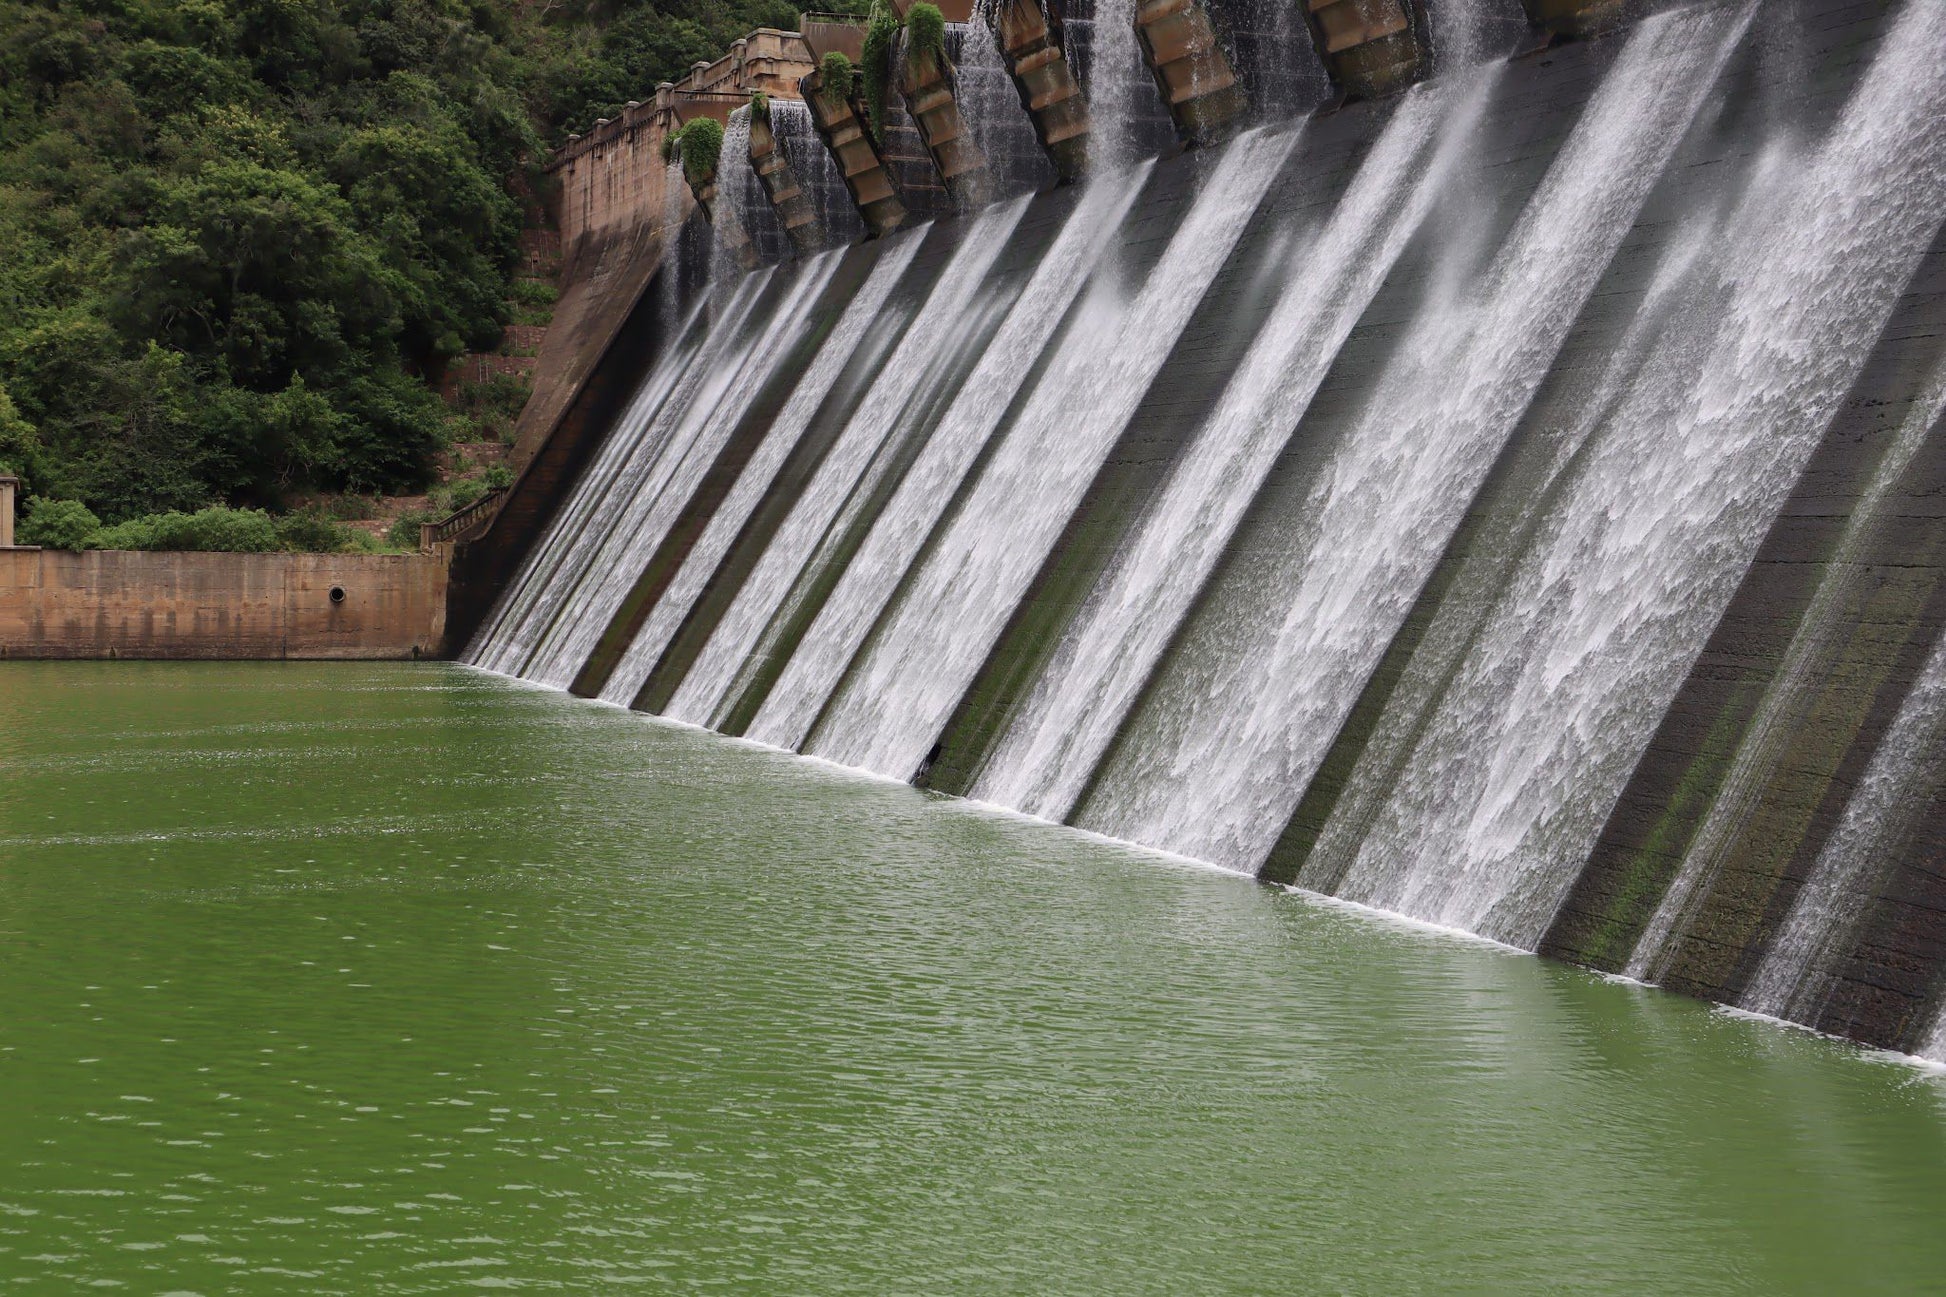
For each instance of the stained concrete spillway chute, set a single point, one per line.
(1486, 482)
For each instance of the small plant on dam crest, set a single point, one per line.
(702, 141)
(840, 78)
(925, 33)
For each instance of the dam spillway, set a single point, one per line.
(1512, 502)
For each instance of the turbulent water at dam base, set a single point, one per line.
(1511, 504)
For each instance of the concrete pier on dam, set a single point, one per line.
(1479, 461)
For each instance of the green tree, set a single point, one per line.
(243, 238)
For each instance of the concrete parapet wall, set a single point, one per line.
(121, 603)
(614, 185)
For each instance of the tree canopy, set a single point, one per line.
(244, 236)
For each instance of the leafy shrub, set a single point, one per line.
(840, 78)
(351, 508)
(533, 301)
(68, 524)
(58, 524)
(312, 532)
(877, 58)
(404, 534)
(702, 143)
(533, 292)
(925, 31)
(501, 394)
(218, 529)
(499, 477)
(760, 106)
(455, 496)
(490, 408)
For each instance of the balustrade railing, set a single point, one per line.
(461, 523)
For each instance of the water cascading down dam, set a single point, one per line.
(1478, 459)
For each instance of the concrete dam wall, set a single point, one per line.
(1479, 461)
(170, 604)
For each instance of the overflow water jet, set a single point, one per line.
(887, 715)
(1224, 752)
(1869, 824)
(913, 360)
(1080, 701)
(763, 669)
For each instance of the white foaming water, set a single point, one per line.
(1824, 920)
(641, 433)
(1812, 926)
(816, 171)
(1079, 702)
(1449, 638)
(1224, 751)
(612, 557)
(668, 277)
(786, 429)
(1934, 1047)
(1509, 788)
(744, 641)
(917, 357)
(1116, 75)
(1466, 32)
(730, 226)
(948, 320)
(891, 709)
(992, 109)
(1271, 53)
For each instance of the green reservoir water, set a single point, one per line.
(402, 979)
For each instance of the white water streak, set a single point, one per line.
(1898, 783)
(1466, 32)
(1824, 921)
(744, 641)
(817, 172)
(616, 555)
(711, 686)
(1116, 76)
(899, 696)
(640, 435)
(786, 429)
(991, 106)
(1935, 1046)
(1080, 701)
(1508, 791)
(1464, 609)
(1231, 749)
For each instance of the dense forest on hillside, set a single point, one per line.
(243, 237)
